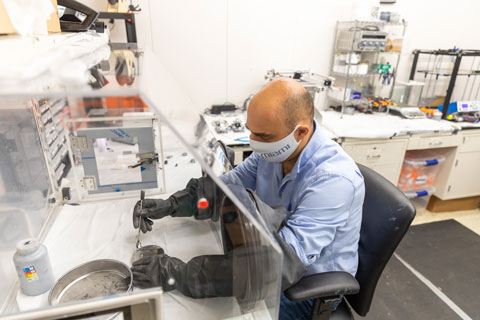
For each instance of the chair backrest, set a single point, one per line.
(387, 214)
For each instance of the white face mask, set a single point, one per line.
(277, 151)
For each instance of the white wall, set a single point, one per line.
(219, 50)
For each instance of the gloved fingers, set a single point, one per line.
(148, 224)
(136, 218)
(143, 226)
(149, 203)
(136, 222)
(138, 276)
(143, 269)
(143, 261)
(142, 284)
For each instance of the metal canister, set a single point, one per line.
(33, 267)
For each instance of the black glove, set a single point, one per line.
(180, 204)
(201, 277)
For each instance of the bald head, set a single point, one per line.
(287, 99)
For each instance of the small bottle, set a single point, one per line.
(33, 267)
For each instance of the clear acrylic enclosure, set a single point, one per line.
(74, 159)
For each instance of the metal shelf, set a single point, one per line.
(448, 73)
(354, 75)
(354, 102)
(362, 51)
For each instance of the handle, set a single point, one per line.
(436, 143)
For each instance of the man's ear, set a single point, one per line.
(302, 131)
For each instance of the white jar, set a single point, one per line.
(33, 267)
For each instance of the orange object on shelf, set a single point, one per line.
(419, 170)
(127, 102)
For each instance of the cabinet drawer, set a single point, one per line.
(390, 171)
(376, 153)
(471, 143)
(430, 142)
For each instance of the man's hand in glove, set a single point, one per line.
(157, 270)
(180, 204)
(148, 209)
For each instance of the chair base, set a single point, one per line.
(343, 312)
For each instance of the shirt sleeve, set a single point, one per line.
(244, 174)
(323, 207)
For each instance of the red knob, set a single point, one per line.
(202, 203)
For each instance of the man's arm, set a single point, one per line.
(324, 207)
(244, 174)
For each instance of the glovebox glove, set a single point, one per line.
(180, 204)
(202, 277)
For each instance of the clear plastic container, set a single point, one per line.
(420, 198)
(424, 193)
(419, 170)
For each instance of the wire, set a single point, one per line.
(366, 28)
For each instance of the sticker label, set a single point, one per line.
(421, 180)
(30, 273)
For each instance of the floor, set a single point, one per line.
(402, 294)
(469, 218)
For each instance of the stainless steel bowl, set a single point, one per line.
(97, 278)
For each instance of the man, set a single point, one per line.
(295, 166)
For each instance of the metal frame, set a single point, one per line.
(350, 77)
(458, 54)
(129, 23)
(145, 304)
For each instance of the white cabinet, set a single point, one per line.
(433, 141)
(462, 177)
(465, 176)
(383, 156)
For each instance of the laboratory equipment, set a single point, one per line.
(33, 267)
(145, 304)
(408, 94)
(309, 79)
(94, 279)
(362, 62)
(117, 139)
(363, 40)
(138, 244)
(463, 111)
(407, 112)
(441, 73)
(75, 16)
(315, 83)
(462, 107)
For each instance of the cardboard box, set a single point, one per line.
(437, 205)
(6, 27)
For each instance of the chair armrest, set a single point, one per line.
(323, 285)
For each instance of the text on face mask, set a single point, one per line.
(276, 153)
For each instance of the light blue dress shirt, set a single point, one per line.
(324, 196)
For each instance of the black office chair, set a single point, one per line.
(387, 215)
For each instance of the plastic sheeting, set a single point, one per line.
(378, 125)
(34, 64)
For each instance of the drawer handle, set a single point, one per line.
(437, 143)
(374, 156)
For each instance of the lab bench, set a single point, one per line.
(380, 142)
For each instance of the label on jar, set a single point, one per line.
(30, 273)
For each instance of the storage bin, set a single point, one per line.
(420, 198)
(419, 170)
